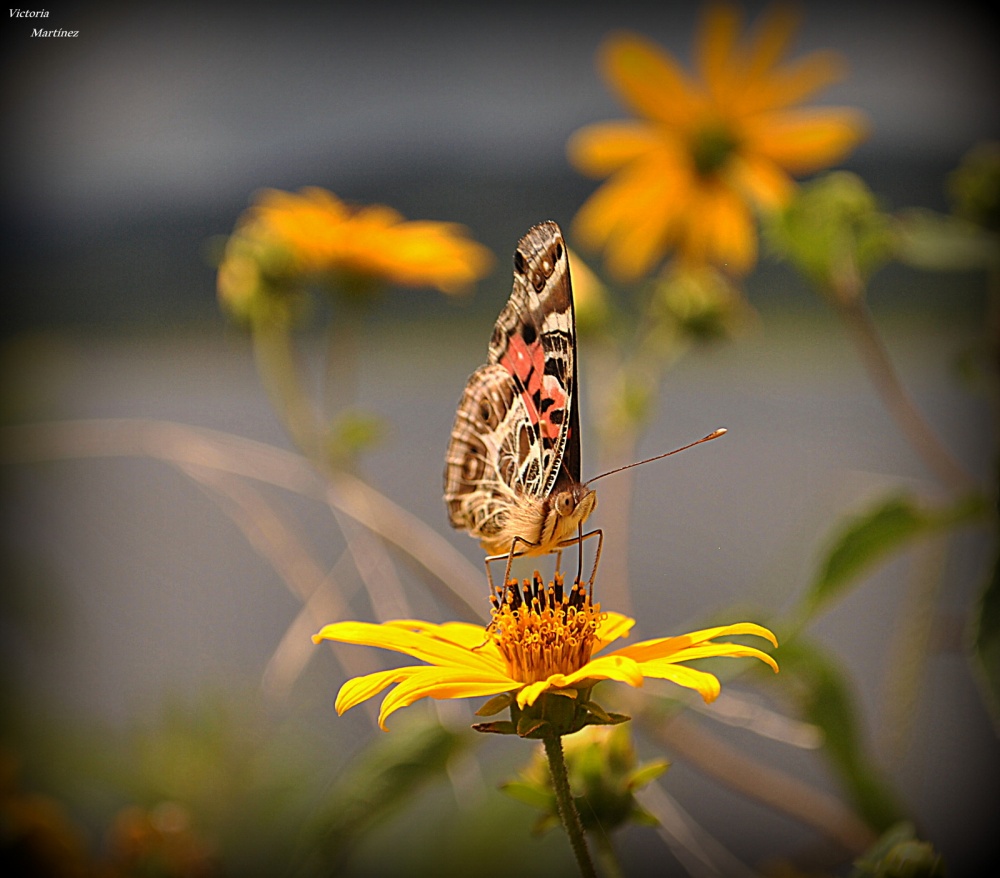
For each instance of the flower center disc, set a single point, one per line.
(543, 630)
(711, 148)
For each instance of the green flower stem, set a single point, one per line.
(607, 857)
(279, 374)
(900, 404)
(566, 806)
(343, 346)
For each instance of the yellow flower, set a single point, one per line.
(705, 153)
(314, 233)
(540, 642)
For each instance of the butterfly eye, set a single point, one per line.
(564, 503)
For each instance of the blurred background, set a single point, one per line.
(138, 622)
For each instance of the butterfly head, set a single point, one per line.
(569, 508)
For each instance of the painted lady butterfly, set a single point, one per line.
(512, 473)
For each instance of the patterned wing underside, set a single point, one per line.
(492, 447)
(516, 422)
(534, 340)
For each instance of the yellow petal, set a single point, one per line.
(802, 141)
(462, 634)
(359, 689)
(661, 647)
(716, 51)
(649, 79)
(793, 82)
(598, 150)
(608, 667)
(530, 693)
(410, 642)
(760, 180)
(711, 650)
(612, 626)
(704, 683)
(634, 213)
(719, 230)
(774, 30)
(611, 205)
(733, 235)
(443, 683)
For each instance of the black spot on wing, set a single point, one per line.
(519, 265)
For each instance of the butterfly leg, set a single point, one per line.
(597, 555)
(509, 557)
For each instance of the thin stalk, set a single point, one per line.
(899, 403)
(279, 374)
(343, 346)
(449, 575)
(607, 857)
(770, 786)
(566, 806)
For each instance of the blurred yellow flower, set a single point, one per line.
(705, 153)
(539, 644)
(287, 237)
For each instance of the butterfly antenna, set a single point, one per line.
(715, 434)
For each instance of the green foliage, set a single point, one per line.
(833, 230)
(701, 305)
(936, 242)
(899, 854)
(352, 433)
(872, 536)
(825, 699)
(974, 186)
(604, 774)
(379, 781)
(986, 636)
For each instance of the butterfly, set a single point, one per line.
(512, 471)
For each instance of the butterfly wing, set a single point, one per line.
(535, 341)
(516, 430)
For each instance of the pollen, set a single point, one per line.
(542, 629)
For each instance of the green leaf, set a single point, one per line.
(986, 639)
(379, 781)
(874, 535)
(937, 242)
(825, 699)
(834, 221)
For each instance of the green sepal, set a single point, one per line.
(647, 773)
(899, 853)
(529, 726)
(530, 794)
(604, 719)
(496, 704)
(499, 727)
(544, 823)
(642, 817)
(598, 712)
